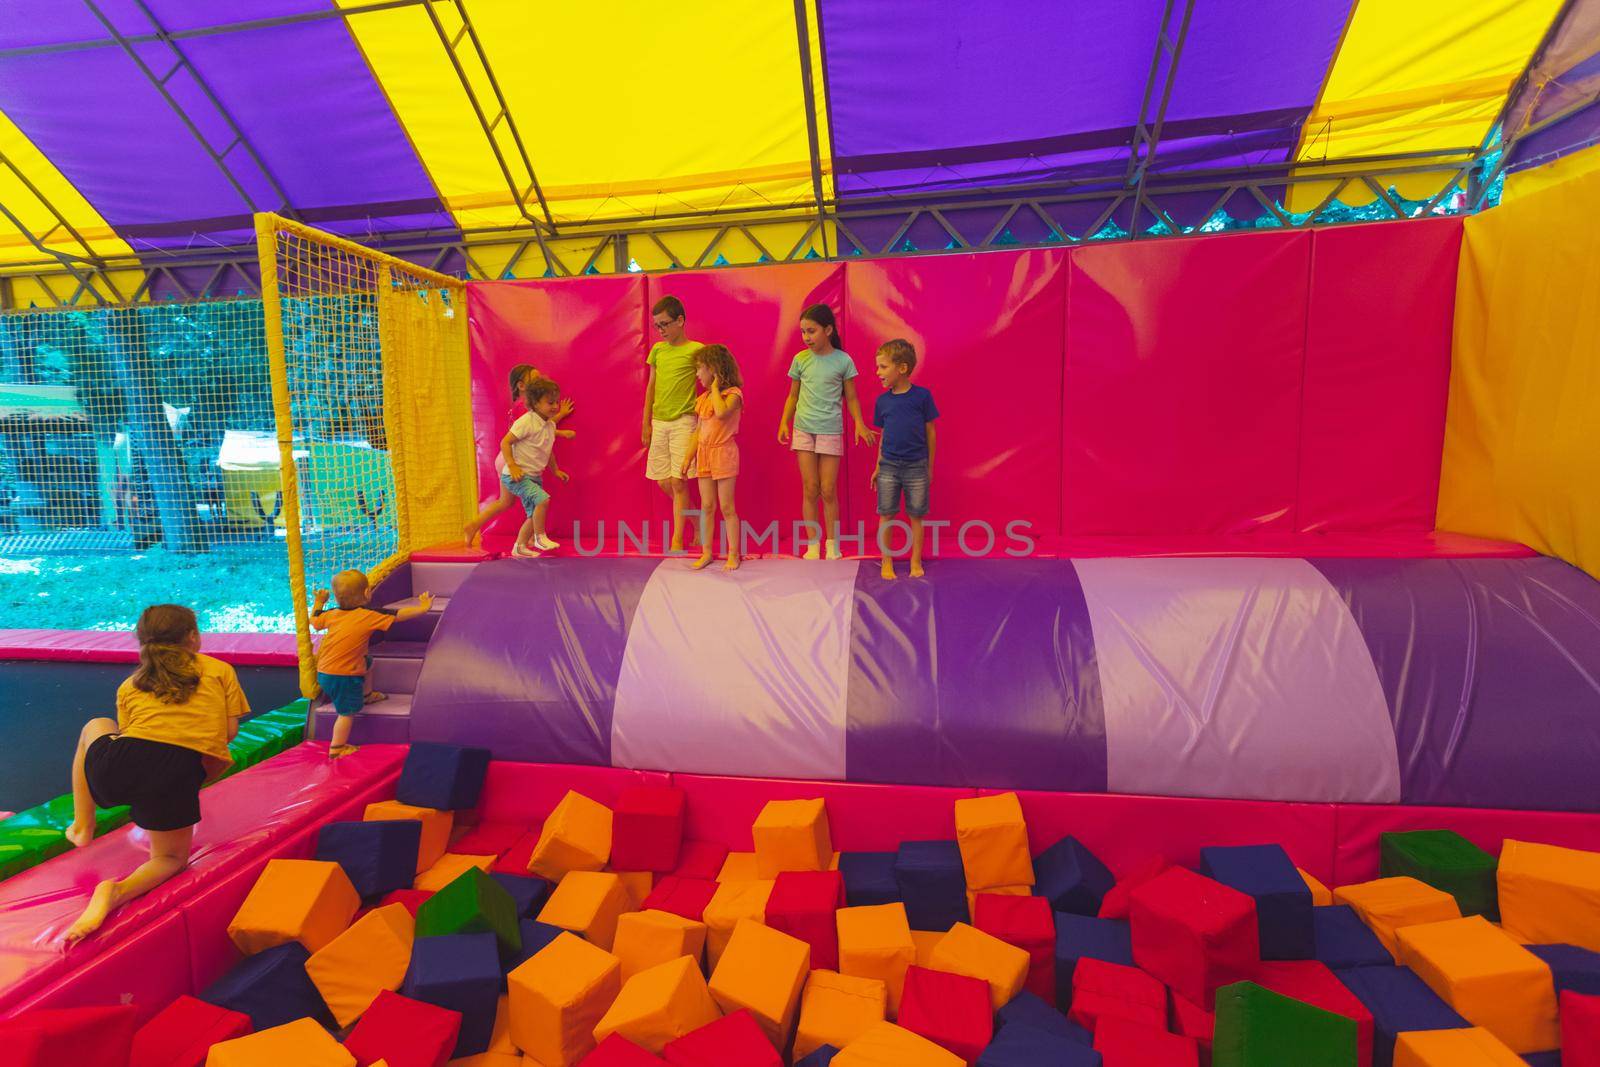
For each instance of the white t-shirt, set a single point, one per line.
(532, 437)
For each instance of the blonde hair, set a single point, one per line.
(348, 587)
(167, 668)
(900, 351)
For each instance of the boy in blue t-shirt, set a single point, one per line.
(905, 413)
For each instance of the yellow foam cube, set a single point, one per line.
(309, 901)
(1489, 979)
(303, 1043)
(732, 903)
(1550, 895)
(646, 939)
(576, 837)
(447, 868)
(969, 951)
(1320, 897)
(792, 835)
(888, 1045)
(659, 1005)
(739, 867)
(436, 827)
(875, 942)
(996, 891)
(837, 1008)
(926, 941)
(587, 903)
(763, 970)
(637, 884)
(1390, 904)
(994, 841)
(1475, 1047)
(558, 995)
(369, 957)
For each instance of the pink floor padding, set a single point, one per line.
(106, 646)
(243, 818)
(148, 969)
(1359, 826)
(526, 793)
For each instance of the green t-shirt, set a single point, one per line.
(674, 366)
(821, 378)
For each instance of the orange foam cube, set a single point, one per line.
(1320, 896)
(659, 1005)
(1550, 895)
(645, 939)
(739, 867)
(436, 827)
(558, 996)
(447, 868)
(369, 957)
(875, 942)
(994, 841)
(763, 970)
(309, 901)
(969, 951)
(303, 1043)
(1475, 1047)
(792, 835)
(1391, 904)
(500, 1039)
(492, 1058)
(888, 1045)
(837, 1008)
(587, 903)
(732, 903)
(576, 837)
(1489, 979)
(926, 941)
(637, 884)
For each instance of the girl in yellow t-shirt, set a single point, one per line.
(175, 717)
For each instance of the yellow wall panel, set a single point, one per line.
(1568, 167)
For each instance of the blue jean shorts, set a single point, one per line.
(908, 479)
(344, 691)
(529, 489)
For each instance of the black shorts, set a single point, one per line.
(160, 782)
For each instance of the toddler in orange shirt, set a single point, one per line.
(342, 656)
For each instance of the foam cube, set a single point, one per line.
(618, 1051)
(1475, 1047)
(576, 837)
(1321, 896)
(792, 835)
(1550, 895)
(802, 904)
(1071, 877)
(645, 939)
(51, 1036)
(1116, 902)
(868, 878)
(1037, 1013)
(1488, 978)
(687, 897)
(875, 942)
(1283, 902)
(271, 987)
(735, 1040)
(1387, 905)
(638, 885)
(183, 1032)
(739, 867)
(1572, 967)
(410, 899)
(1102, 990)
(1079, 937)
(404, 1032)
(360, 963)
(999, 891)
(1124, 1044)
(993, 839)
(1027, 923)
(821, 1056)
(700, 859)
(379, 857)
(534, 936)
(888, 1045)
(489, 1059)
(926, 941)
(460, 972)
(969, 951)
(490, 839)
(733, 903)
(837, 1008)
(1259, 1028)
(587, 903)
(515, 859)
(445, 777)
(1344, 941)
(1193, 933)
(659, 1005)
(1313, 983)
(436, 827)
(447, 869)
(1191, 1020)
(951, 1010)
(527, 894)
(1580, 1030)
(559, 996)
(932, 884)
(1024, 1046)
(300, 1042)
(763, 970)
(647, 828)
(1399, 1001)
(474, 903)
(294, 900)
(1445, 860)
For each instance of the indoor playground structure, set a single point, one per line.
(1247, 714)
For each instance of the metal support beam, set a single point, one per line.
(808, 94)
(1147, 132)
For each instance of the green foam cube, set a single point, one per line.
(1256, 1027)
(1448, 862)
(472, 904)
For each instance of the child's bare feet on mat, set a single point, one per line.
(703, 562)
(916, 568)
(100, 905)
(886, 569)
(341, 751)
(80, 835)
(732, 564)
(373, 697)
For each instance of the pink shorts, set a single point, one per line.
(823, 444)
(717, 461)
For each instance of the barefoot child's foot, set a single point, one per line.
(886, 568)
(341, 751)
(703, 562)
(80, 835)
(732, 564)
(916, 568)
(100, 905)
(374, 696)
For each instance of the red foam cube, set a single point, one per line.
(50, 1037)
(1125, 1044)
(1114, 905)
(687, 897)
(1312, 982)
(182, 1034)
(1191, 1020)
(404, 1032)
(489, 839)
(802, 904)
(411, 898)
(1193, 933)
(700, 859)
(951, 1010)
(1027, 923)
(647, 828)
(618, 1051)
(516, 858)
(1580, 1029)
(732, 1041)
(1102, 990)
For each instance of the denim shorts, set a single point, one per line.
(910, 479)
(529, 489)
(344, 691)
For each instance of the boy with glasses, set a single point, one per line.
(669, 416)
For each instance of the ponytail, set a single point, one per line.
(822, 315)
(166, 667)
